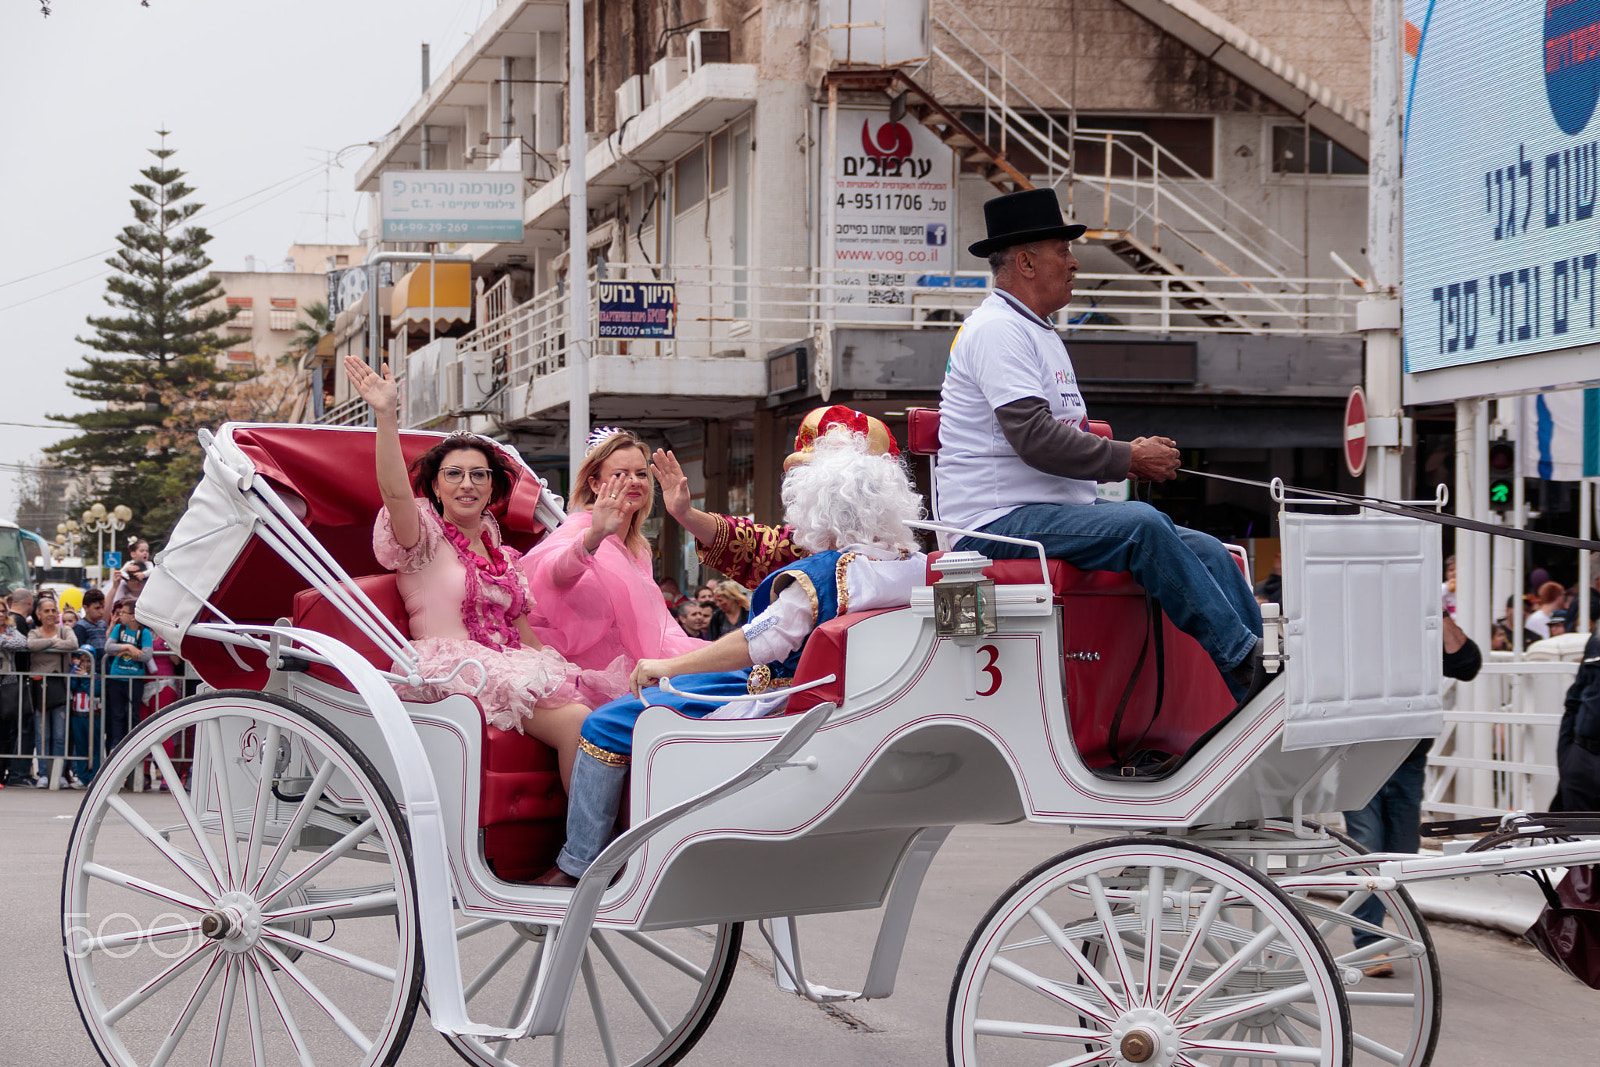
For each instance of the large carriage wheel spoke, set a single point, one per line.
(258, 814)
(180, 796)
(297, 822)
(1243, 1007)
(1362, 1042)
(368, 903)
(1119, 955)
(203, 881)
(631, 984)
(285, 1016)
(1032, 1031)
(1253, 1052)
(665, 954)
(218, 772)
(1214, 982)
(1152, 908)
(124, 880)
(181, 1026)
(334, 852)
(155, 985)
(1190, 953)
(1091, 974)
(1054, 991)
(139, 937)
(524, 997)
(219, 1033)
(319, 998)
(252, 1016)
(494, 966)
(597, 1006)
(328, 952)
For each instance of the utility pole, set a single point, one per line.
(1378, 314)
(578, 243)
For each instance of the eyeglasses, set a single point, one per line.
(453, 475)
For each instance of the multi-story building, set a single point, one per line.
(807, 175)
(269, 303)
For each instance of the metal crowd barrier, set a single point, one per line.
(82, 721)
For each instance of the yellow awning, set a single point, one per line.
(451, 301)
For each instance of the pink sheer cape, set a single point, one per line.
(602, 612)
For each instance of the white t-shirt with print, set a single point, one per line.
(1003, 353)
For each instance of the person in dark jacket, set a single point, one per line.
(1578, 741)
(1392, 819)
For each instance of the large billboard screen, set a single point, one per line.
(1501, 179)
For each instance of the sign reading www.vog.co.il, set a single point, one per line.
(454, 206)
(893, 190)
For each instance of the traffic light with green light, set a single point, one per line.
(1502, 471)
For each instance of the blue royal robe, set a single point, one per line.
(609, 727)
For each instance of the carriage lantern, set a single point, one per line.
(963, 599)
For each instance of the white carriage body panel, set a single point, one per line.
(1362, 629)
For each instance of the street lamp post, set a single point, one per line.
(100, 522)
(68, 532)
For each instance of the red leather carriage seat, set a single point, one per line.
(523, 812)
(1104, 626)
(824, 655)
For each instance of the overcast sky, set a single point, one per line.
(256, 95)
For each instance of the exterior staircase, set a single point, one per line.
(1138, 215)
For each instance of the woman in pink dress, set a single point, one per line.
(596, 600)
(464, 592)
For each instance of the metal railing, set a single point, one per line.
(1159, 192)
(71, 735)
(1498, 754)
(783, 305)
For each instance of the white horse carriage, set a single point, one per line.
(277, 901)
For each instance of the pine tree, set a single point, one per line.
(159, 348)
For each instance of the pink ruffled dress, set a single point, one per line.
(602, 612)
(433, 579)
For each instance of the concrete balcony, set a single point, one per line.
(704, 102)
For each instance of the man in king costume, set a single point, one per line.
(847, 500)
(743, 549)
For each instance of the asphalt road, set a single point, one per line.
(1502, 1002)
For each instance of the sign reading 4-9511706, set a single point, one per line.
(893, 191)
(1502, 179)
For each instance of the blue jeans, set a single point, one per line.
(592, 808)
(1199, 585)
(52, 697)
(1391, 822)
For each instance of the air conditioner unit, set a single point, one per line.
(665, 74)
(630, 98)
(709, 46)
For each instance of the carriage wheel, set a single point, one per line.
(1062, 969)
(642, 999)
(1395, 1019)
(260, 909)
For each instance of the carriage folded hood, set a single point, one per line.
(220, 553)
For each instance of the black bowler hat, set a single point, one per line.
(1017, 218)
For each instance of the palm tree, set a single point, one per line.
(315, 323)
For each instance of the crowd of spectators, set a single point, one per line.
(72, 679)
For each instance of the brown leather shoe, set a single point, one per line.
(555, 876)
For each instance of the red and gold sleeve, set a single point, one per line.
(747, 551)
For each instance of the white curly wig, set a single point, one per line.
(846, 495)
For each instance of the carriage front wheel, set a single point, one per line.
(642, 1000)
(1149, 951)
(259, 908)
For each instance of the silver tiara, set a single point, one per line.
(598, 436)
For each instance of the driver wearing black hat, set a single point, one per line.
(1015, 457)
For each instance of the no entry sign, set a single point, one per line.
(1355, 432)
